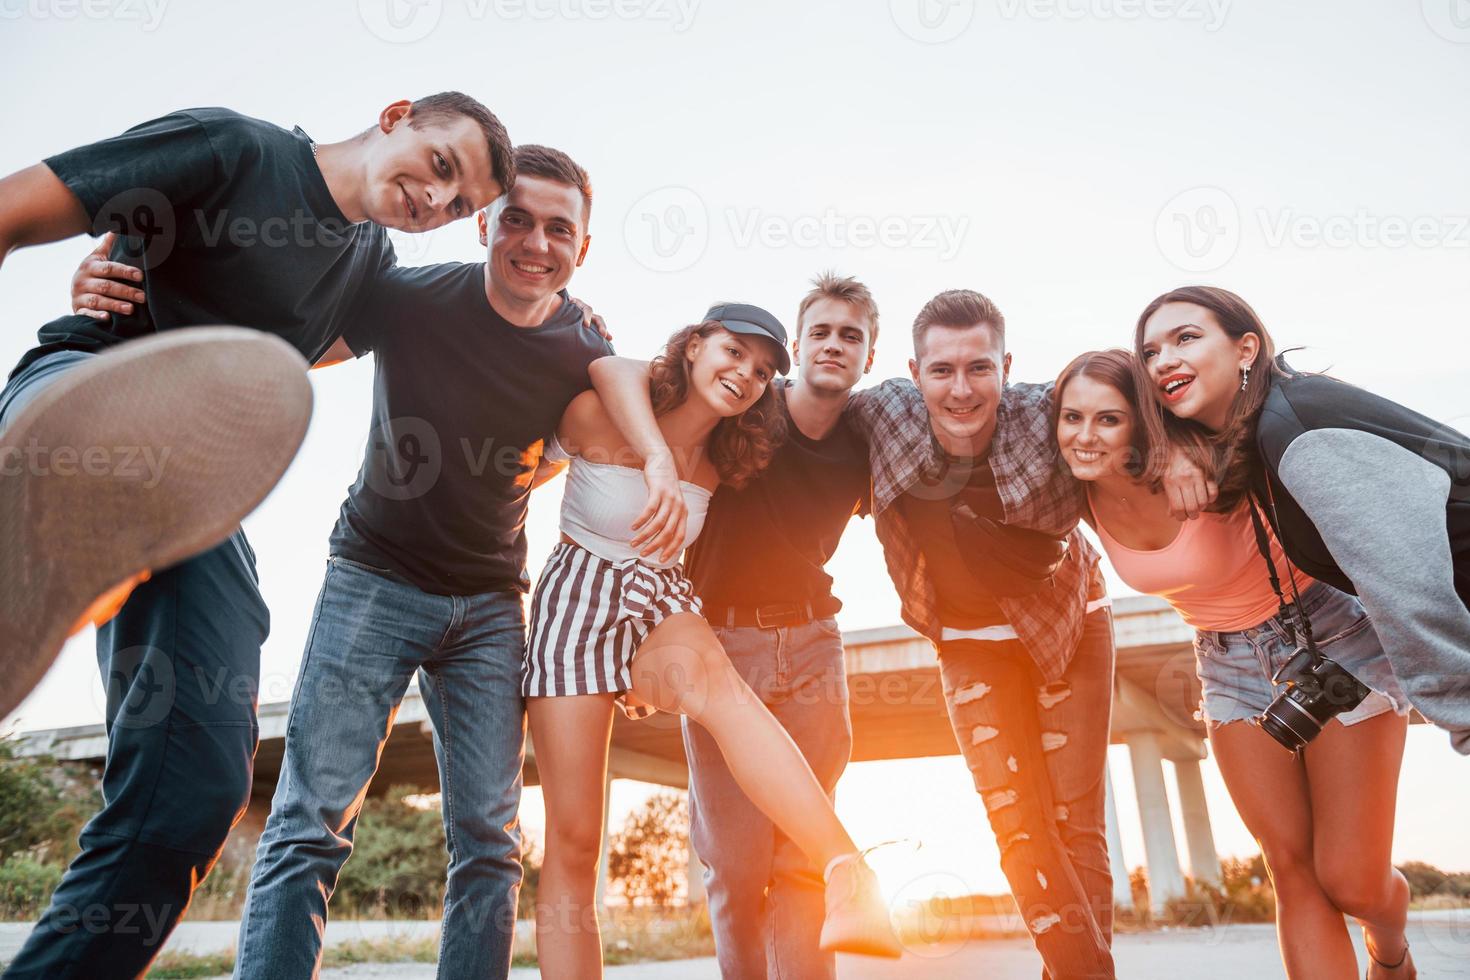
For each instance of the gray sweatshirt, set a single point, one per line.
(1375, 499)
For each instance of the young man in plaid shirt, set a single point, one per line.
(978, 521)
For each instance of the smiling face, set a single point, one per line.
(1194, 363)
(419, 178)
(536, 239)
(961, 372)
(832, 347)
(1095, 428)
(730, 371)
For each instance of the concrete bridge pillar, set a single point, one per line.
(1165, 879)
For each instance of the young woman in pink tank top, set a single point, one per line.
(1323, 817)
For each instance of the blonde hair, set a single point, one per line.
(829, 285)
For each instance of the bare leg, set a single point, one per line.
(1269, 787)
(1353, 775)
(682, 668)
(571, 736)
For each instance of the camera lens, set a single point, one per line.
(1289, 723)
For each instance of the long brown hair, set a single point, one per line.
(1114, 368)
(1230, 454)
(740, 446)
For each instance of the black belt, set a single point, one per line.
(774, 615)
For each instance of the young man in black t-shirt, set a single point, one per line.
(474, 365)
(758, 567)
(228, 220)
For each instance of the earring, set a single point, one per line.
(1245, 377)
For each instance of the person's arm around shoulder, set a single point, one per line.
(36, 208)
(622, 384)
(583, 426)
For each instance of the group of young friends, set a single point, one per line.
(704, 496)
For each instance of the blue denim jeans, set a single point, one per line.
(370, 633)
(1235, 668)
(1038, 753)
(180, 662)
(765, 899)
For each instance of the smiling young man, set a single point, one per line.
(427, 574)
(978, 521)
(758, 568)
(223, 219)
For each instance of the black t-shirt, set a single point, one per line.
(231, 222)
(463, 402)
(964, 601)
(767, 543)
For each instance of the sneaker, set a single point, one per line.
(857, 917)
(149, 453)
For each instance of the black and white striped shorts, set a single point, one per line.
(589, 615)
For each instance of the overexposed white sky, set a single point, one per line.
(1071, 159)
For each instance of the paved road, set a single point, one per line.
(1441, 943)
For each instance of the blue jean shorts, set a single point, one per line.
(1235, 668)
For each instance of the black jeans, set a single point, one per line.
(1038, 754)
(181, 664)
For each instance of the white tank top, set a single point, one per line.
(602, 500)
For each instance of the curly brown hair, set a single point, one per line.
(740, 446)
(1229, 455)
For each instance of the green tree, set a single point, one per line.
(399, 861)
(648, 859)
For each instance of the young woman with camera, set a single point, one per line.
(1324, 816)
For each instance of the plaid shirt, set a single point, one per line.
(1036, 489)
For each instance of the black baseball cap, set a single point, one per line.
(753, 321)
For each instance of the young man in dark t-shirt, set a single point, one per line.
(474, 365)
(228, 220)
(758, 567)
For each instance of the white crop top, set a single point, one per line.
(602, 500)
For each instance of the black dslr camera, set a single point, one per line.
(1317, 690)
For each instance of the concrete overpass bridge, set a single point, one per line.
(897, 713)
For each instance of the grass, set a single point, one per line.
(628, 936)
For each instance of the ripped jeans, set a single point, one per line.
(1037, 753)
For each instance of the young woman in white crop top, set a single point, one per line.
(609, 626)
(1323, 817)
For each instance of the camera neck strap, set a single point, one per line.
(1295, 615)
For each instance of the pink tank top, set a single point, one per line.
(1211, 573)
